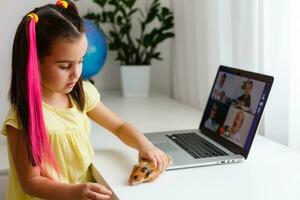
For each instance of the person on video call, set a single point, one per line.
(233, 131)
(244, 101)
(211, 123)
(219, 92)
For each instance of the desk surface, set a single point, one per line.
(272, 171)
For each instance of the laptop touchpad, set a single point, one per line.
(165, 146)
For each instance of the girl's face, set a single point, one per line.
(213, 113)
(248, 88)
(62, 68)
(222, 80)
(238, 122)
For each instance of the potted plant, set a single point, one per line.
(135, 51)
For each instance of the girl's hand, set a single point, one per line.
(154, 154)
(88, 191)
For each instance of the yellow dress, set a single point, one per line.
(68, 131)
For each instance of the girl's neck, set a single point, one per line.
(56, 99)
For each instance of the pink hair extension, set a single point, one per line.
(40, 145)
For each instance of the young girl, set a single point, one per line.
(244, 101)
(48, 125)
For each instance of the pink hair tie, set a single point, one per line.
(62, 3)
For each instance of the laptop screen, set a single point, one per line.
(235, 106)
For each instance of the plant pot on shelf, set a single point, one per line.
(135, 80)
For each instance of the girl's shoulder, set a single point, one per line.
(11, 119)
(89, 88)
(92, 95)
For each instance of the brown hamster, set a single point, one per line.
(144, 171)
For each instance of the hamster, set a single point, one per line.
(145, 171)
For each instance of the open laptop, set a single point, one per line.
(229, 122)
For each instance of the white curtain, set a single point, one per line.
(256, 35)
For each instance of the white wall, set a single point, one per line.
(11, 13)
(277, 63)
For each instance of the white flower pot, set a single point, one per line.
(135, 80)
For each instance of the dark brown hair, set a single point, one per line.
(54, 22)
(250, 82)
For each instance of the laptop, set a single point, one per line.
(228, 125)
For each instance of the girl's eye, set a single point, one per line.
(64, 67)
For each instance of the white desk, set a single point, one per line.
(272, 171)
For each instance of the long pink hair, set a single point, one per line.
(40, 145)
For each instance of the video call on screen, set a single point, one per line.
(233, 105)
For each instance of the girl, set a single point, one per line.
(233, 132)
(47, 126)
(244, 101)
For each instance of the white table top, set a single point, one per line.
(272, 171)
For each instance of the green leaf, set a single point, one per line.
(120, 57)
(92, 16)
(154, 33)
(123, 11)
(149, 37)
(114, 35)
(153, 11)
(114, 46)
(155, 4)
(151, 15)
(119, 19)
(138, 41)
(167, 23)
(104, 18)
(100, 2)
(169, 19)
(165, 11)
(125, 29)
(143, 26)
(156, 56)
(127, 54)
(167, 26)
(129, 3)
(163, 37)
(113, 2)
(133, 11)
(110, 16)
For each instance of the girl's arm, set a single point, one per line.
(34, 184)
(129, 135)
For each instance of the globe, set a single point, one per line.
(96, 52)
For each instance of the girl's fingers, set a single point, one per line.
(154, 160)
(95, 187)
(160, 162)
(159, 159)
(166, 161)
(97, 196)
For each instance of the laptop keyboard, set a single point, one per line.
(196, 146)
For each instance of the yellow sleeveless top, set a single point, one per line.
(68, 131)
